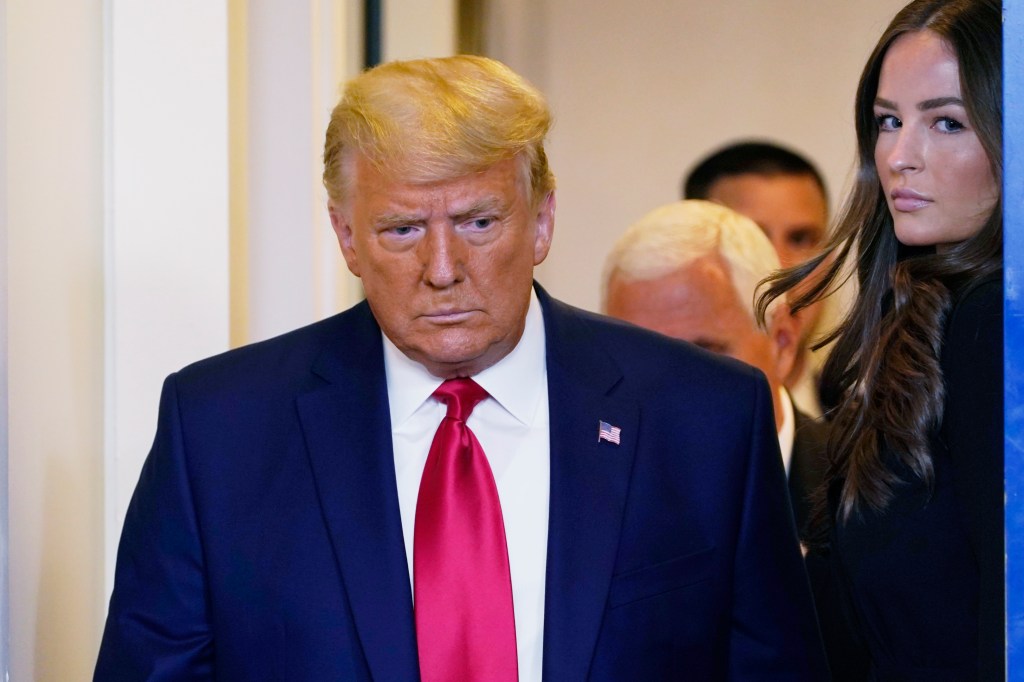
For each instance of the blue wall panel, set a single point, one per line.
(1013, 158)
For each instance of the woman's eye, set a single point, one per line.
(887, 122)
(948, 125)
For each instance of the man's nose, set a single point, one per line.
(441, 253)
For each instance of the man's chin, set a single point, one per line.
(453, 359)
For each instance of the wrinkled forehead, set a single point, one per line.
(358, 168)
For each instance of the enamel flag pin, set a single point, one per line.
(606, 431)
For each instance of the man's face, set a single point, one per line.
(790, 209)
(699, 304)
(447, 267)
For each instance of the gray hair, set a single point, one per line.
(673, 236)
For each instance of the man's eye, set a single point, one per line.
(481, 223)
(713, 346)
(804, 239)
(401, 230)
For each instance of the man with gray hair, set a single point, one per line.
(460, 478)
(690, 270)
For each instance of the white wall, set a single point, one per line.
(281, 209)
(4, 605)
(166, 218)
(641, 90)
(116, 181)
(291, 57)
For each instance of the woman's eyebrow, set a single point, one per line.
(934, 103)
(937, 102)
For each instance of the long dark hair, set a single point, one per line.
(885, 362)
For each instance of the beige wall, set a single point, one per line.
(54, 214)
(640, 90)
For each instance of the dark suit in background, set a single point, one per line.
(807, 466)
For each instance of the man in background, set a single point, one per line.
(689, 270)
(785, 195)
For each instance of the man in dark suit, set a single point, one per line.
(561, 496)
(690, 270)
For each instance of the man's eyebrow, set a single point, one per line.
(807, 227)
(481, 206)
(391, 219)
(927, 104)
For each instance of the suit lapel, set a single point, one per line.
(348, 435)
(807, 464)
(589, 484)
(798, 474)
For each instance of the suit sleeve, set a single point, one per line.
(774, 633)
(157, 626)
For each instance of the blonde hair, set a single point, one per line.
(436, 119)
(673, 236)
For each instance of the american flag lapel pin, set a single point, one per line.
(606, 431)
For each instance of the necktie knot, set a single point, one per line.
(461, 396)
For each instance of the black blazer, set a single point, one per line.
(919, 586)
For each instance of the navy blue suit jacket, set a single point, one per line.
(264, 540)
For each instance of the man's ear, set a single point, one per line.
(545, 228)
(784, 330)
(343, 230)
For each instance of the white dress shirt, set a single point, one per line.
(512, 427)
(804, 391)
(787, 433)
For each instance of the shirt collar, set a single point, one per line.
(787, 433)
(410, 384)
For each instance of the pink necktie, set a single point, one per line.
(465, 625)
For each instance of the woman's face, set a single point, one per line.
(934, 172)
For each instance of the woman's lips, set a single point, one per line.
(905, 200)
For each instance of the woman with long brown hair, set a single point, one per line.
(909, 528)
